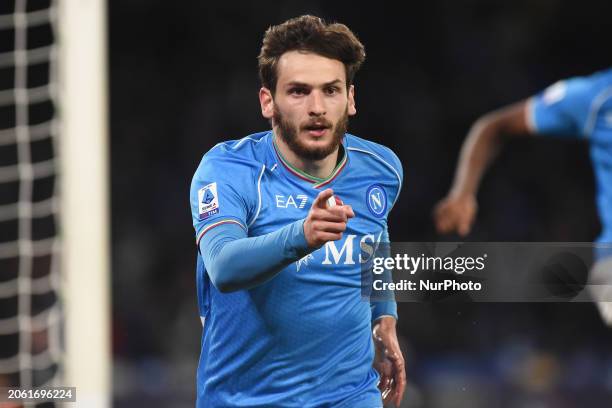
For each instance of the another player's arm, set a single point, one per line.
(235, 262)
(456, 212)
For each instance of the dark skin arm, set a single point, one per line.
(456, 212)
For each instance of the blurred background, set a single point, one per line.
(183, 78)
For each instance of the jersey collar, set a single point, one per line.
(316, 181)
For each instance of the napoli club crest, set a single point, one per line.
(376, 199)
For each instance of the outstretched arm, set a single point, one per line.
(456, 212)
(234, 261)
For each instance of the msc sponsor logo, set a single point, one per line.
(344, 252)
(368, 244)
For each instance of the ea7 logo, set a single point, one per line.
(288, 201)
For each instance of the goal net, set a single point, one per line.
(54, 296)
(30, 350)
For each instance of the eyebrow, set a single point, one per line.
(302, 84)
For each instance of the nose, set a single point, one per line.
(317, 104)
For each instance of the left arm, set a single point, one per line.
(389, 361)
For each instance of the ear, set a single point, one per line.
(267, 103)
(352, 110)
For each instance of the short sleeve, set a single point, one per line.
(562, 108)
(223, 190)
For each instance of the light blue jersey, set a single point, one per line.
(582, 107)
(302, 338)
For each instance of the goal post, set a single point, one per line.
(84, 210)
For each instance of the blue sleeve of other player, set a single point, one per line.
(235, 262)
(389, 307)
(562, 109)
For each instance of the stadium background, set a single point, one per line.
(183, 77)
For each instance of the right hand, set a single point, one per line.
(323, 223)
(455, 213)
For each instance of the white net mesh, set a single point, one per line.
(30, 315)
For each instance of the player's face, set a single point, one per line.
(311, 105)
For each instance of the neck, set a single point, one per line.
(318, 168)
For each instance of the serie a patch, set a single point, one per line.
(208, 201)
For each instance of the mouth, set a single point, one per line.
(316, 129)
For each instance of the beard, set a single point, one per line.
(289, 133)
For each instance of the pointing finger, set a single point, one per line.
(321, 200)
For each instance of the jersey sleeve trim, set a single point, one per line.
(216, 224)
(263, 169)
(596, 105)
(530, 115)
(399, 178)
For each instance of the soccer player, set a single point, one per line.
(579, 107)
(283, 220)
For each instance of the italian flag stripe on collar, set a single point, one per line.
(318, 182)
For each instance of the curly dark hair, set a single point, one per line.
(312, 34)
